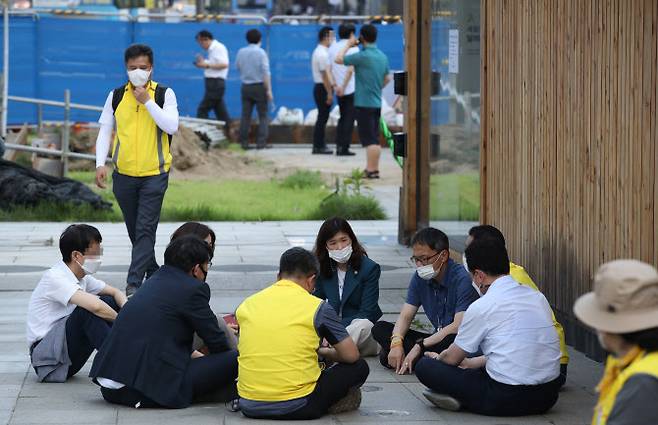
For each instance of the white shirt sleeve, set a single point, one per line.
(218, 55)
(60, 289)
(472, 329)
(93, 285)
(323, 61)
(104, 138)
(166, 117)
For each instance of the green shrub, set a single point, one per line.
(350, 207)
(303, 179)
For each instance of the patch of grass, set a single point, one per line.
(49, 211)
(303, 179)
(350, 207)
(455, 196)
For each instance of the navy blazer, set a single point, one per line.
(149, 346)
(360, 292)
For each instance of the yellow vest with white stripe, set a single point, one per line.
(647, 365)
(519, 274)
(278, 342)
(140, 147)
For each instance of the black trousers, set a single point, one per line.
(345, 122)
(140, 199)
(333, 385)
(368, 121)
(86, 332)
(205, 374)
(320, 97)
(213, 99)
(481, 394)
(253, 95)
(382, 332)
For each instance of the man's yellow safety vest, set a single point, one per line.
(140, 147)
(278, 342)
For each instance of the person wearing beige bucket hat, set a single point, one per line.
(623, 309)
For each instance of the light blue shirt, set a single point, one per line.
(253, 64)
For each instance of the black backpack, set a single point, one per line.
(160, 90)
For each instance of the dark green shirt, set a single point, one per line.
(370, 68)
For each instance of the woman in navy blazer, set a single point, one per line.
(349, 281)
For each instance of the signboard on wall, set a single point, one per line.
(453, 51)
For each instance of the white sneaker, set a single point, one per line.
(442, 401)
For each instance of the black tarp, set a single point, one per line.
(25, 186)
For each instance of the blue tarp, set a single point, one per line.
(51, 54)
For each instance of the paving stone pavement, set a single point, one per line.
(246, 260)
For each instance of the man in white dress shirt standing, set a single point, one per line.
(323, 88)
(518, 372)
(344, 86)
(215, 72)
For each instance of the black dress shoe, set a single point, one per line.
(345, 153)
(323, 151)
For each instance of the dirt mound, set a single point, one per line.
(191, 161)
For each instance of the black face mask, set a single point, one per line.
(205, 273)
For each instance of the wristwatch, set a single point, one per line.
(421, 343)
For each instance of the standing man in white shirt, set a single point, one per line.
(322, 88)
(215, 72)
(512, 325)
(343, 77)
(70, 311)
(146, 117)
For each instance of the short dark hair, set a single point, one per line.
(77, 237)
(194, 228)
(204, 34)
(487, 256)
(298, 262)
(324, 32)
(345, 30)
(137, 50)
(487, 231)
(646, 339)
(369, 33)
(253, 36)
(431, 237)
(186, 252)
(328, 230)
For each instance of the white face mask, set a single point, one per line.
(426, 272)
(139, 77)
(91, 265)
(341, 256)
(475, 285)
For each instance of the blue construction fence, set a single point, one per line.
(49, 54)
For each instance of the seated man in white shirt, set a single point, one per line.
(518, 373)
(70, 312)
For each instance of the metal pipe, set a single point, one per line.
(202, 121)
(5, 67)
(39, 118)
(53, 152)
(66, 132)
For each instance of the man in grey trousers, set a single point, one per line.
(254, 68)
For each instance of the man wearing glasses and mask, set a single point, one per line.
(443, 288)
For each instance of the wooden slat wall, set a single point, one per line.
(569, 159)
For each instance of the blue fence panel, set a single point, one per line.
(52, 54)
(290, 50)
(85, 56)
(22, 67)
(175, 47)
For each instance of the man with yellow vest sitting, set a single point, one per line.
(146, 117)
(623, 308)
(518, 273)
(280, 332)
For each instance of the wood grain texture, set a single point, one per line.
(569, 151)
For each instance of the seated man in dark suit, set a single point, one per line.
(147, 359)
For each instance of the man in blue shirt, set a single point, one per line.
(443, 288)
(254, 68)
(371, 75)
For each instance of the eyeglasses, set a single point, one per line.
(423, 260)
